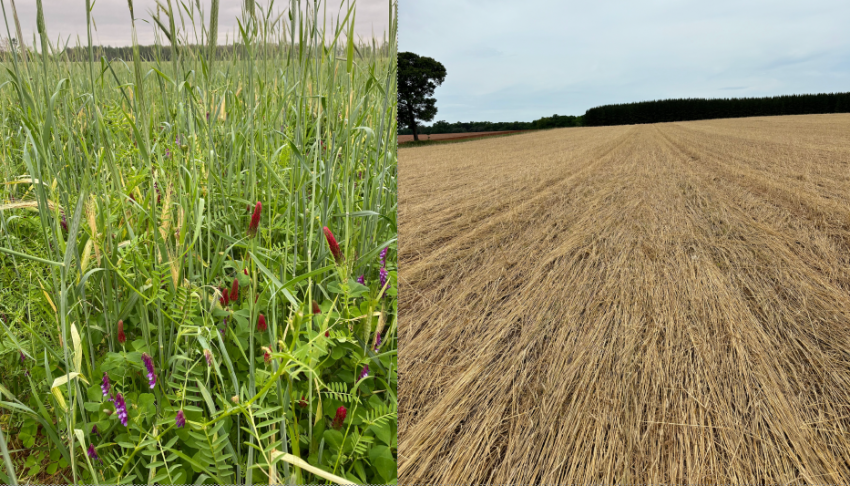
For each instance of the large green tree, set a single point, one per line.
(418, 77)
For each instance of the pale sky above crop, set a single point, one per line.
(509, 60)
(112, 17)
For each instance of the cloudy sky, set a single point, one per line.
(68, 17)
(516, 61)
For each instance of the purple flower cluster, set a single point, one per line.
(377, 341)
(383, 274)
(365, 372)
(104, 387)
(93, 453)
(149, 365)
(121, 408)
(180, 421)
(361, 280)
(384, 277)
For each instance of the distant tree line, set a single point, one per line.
(442, 126)
(661, 111)
(163, 52)
(705, 109)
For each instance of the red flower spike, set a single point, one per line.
(327, 334)
(225, 296)
(121, 337)
(234, 290)
(261, 323)
(255, 220)
(334, 246)
(340, 417)
(245, 271)
(316, 308)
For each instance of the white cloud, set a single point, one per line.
(65, 18)
(509, 60)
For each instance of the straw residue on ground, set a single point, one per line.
(637, 304)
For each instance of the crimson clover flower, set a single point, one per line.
(225, 296)
(180, 420)
(121, 337)
(334, 246)
(261, 323)
(316, 308)
(339, 418)
(255, 220)
(104, 387)
(121, 408)
(234, 291)
(149, 365)
(365, 372)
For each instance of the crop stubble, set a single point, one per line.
(638, 304)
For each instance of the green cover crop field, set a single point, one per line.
(198, 254)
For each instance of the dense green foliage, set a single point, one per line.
(704, 109)
(129, 210)
(418, 77)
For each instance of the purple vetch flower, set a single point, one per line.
(365, 372)
(64, 223)
(383, 257)
(23, 357)
(208, 355)
(384, 277)
(104, 387)
(167, 152)
(377, 341)
(149, 365)
(361, 280)
(180, 421)
(93, 453)
(121, 408)
(94, 430)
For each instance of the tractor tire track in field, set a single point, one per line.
(638, 304)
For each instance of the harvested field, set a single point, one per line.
(455, 136)
(635, 304)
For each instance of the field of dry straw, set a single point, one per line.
(638, 304)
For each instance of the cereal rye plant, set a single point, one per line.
(197, 252)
